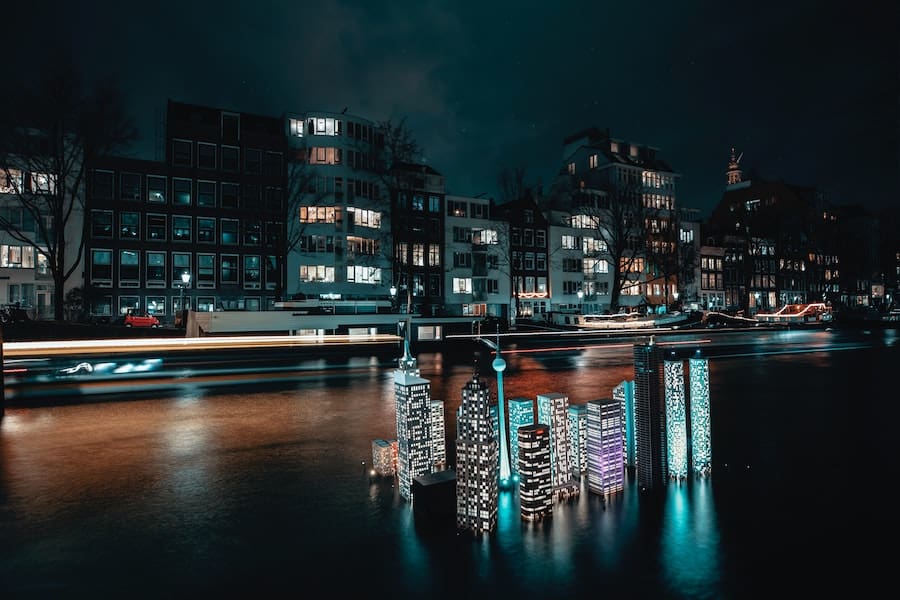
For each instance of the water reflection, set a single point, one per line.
(689, 543)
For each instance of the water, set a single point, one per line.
(267, 491)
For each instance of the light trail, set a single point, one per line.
(591, 346)
(118, 346)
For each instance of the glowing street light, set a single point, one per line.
(185, 281)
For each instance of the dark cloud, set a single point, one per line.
(807, 90)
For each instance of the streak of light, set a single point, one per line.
(589, 346)
(108, 346)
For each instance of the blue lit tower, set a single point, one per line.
(676, 423)
(624, 393)
(701, 453)
(649, 416)
(476, 460)
(499, 366)
(521, 413)
(605, 469)
(415, 451)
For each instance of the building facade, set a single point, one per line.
(606, 467)
(415, 441)
(676, 419)
(521, 413)
(701, 442)
(477, 460)
(577, 439)
(552, 411)
(649, 416)
(535, 489)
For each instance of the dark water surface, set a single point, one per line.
(264, 492)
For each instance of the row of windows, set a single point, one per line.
(164, 270)
(528, 237)
(418, 203)
(23, 257)
(203, 155)
(458, 208)
(14, 181)
(160, 305)
(332, 127)
(183, 228)
(184, 192)
(334, 214)
(326, 274)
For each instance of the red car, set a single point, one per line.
(140, 319)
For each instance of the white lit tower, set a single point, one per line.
(606, 469)
(701, 453)
(535, 491)
(649, 416)
(476, 460)
(499, 365)
(676, 424)
(624, 393)
(521, 413)
(552, 411)
(415, 446)
(577, 439)
(438, 435)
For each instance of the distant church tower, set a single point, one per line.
(734, 168)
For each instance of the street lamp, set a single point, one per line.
(580, 296)
(185, 280)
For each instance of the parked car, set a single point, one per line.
(140, 319)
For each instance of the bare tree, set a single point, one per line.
(399, 173)
(49, 135)
(619, 218)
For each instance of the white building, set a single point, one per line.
(552, 411)
(415, 444)
(477, 460)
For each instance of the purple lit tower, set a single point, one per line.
(605, 466)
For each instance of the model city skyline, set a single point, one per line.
(658, 424)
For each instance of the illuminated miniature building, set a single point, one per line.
(535, 490)
(676, 423)
(624, 393)
(701, 454)
(521, 412)
(477, 460)
(414, 441)
(552, 411)
(577, 439)
(383, 462)
(438, 435)
(649, 416)
(605, 466)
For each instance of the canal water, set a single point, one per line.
(267, 491)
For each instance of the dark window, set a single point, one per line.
(230, 195)
(253, 160)
(273, 163)
(250, 195)
(103, 185)
(130, 186)
(181, 228)
(181, 153)
(273, 198)
(252, 232)
(206, 155)
(230, 159)
(181, 192)
(206, 193)
(101, 224)
(206, 230)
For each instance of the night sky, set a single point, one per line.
(807, 90)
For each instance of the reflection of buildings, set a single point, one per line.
(521, 412)
(552, 411)
(414, 415)
(676, 419)
(649, 416)
(578, 439)
(605, 466)
(535, 490)
(701, 452)
(477, 460)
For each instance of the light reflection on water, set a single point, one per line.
(212, 489)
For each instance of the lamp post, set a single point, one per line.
(675, 298)
(580, 296)
(185, 281)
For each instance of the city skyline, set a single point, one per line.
(802, 100)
